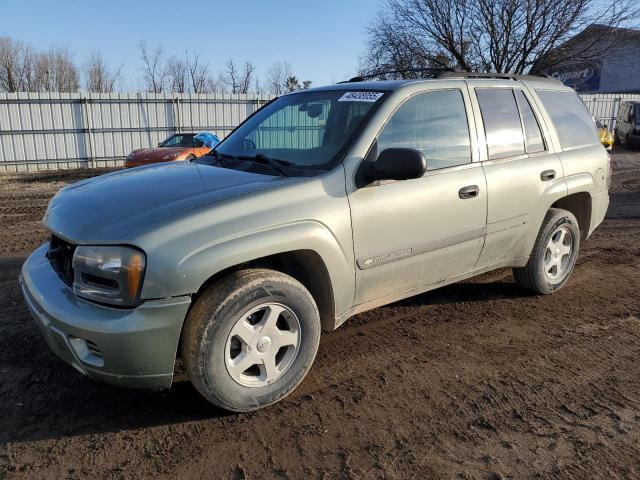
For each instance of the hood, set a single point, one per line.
(113, 207)
(157, 154)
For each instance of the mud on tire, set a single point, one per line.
(225, 307)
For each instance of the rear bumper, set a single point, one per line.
(126, 347)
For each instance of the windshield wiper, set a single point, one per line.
(273, 163)
(262, 159)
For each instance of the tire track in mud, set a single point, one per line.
(474, 380)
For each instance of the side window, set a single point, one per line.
(534, 142)
(571, 118)
(434, 123)
(501, 122)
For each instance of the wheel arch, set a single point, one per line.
(580, 205)
(306, 266)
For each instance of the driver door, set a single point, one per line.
(413, 233)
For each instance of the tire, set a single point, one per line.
(628, 143)
(546, 273)
(221, 324)
(190, 158)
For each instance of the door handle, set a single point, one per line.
(468, 192)
(548, 175)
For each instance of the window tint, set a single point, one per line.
(571, 118)
(623, 112)
(501, 122)
(434, 123)
(532, 134)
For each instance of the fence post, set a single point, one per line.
(86, 111)
(177, 122)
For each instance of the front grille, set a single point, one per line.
(60, 256)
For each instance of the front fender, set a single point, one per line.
(197, 266)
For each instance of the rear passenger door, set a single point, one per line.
(521, 171)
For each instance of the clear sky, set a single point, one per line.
(322, 40)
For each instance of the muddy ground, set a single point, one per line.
(475, 380)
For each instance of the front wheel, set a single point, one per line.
(554, 254)
(250, 339)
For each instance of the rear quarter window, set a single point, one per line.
(570, 117)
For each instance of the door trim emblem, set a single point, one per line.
(424, 247)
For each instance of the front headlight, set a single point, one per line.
(109, 274)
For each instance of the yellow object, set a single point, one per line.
(606, 137)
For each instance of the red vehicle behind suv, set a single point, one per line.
(181, 146)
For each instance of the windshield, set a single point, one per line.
(179, 140)
(307, 130)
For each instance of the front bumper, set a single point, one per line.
(126, 347)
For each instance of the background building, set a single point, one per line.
(599, 59)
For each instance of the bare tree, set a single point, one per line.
(99, 77)
(306, 84)
(483, 35)
(54, 71)
(16, 65)
(198, 73)
(239, 80)
(178, 75)
(277, 76)
(154, 68)
(216, 84)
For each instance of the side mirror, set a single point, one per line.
(397, 164)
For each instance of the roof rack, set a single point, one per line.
(504, 76)
(445, 72)
(432, 71)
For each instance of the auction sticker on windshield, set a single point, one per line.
(360, 97)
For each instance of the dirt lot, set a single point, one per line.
(476, 380)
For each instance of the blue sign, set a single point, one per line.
(582, 79)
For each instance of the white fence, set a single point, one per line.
(57, 130)
(604, 106)
(41, 131)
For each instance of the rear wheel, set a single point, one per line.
(250, 339)
(554, 254)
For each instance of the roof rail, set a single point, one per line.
(432, 72)
(506, 76)
(445, 72)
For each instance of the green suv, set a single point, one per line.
(322, 204)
